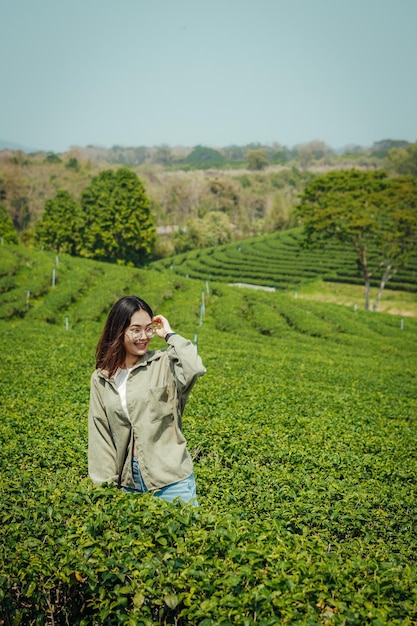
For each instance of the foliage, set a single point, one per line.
(112, 222)
(365, 211)
(59, 228)
(398, 223)
(175, 195)
(118, 222)
(226, 194)
(8, 232)
(382, 148)
(305, 464)
(403, 160)
(278, 260)
(212, 229)
(73, 163)
(14, 192)
(257, 159)
(51, 157)
(283, 155)
(201, 156)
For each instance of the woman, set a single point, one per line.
(137, 400)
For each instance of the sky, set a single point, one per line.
(207, 72)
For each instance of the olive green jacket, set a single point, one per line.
(156, 393)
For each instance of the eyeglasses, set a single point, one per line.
(136, 333)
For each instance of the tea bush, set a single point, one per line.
(303, 433)
(278, 260)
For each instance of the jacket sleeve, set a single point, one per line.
(185, 362)
(102, 464)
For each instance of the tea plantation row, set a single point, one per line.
(278, 260)
(303, 433)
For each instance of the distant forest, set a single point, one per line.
(199, 195)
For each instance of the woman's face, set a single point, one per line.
(135, 339)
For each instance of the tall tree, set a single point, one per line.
(59, 227)
(118, 224)
(397, 239)
(372, 214)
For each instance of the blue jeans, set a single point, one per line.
(184, 489)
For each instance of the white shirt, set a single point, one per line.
(121, 379)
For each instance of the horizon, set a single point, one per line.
(16, 147)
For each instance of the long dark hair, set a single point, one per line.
(110, 351)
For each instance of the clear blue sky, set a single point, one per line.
(212, 72)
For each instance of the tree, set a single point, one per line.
(118, 224)
(7, 230)
(282, 155)
(204, 157)
(257, 159)
(398, 237)
(59, 227)
(211, 230)
(15, 188)
(381, 148)
(51, 157)
(163, 155)
(73, 164)
(372, 214)
(403, 160)
(216, 228)
(279, 215)
(225, 193)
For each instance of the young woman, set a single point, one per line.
(137, 399)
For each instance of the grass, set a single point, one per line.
(394, 302)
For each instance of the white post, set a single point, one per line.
(207, 287)
(402, 323)
(57, 260)
(27, 297)
(53, 277)
(66, 323)
(355, 307)
(195, 338)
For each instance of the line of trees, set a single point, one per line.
(201, 157)
(111, 222)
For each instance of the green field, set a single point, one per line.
(303, 433)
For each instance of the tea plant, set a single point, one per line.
(278, 260)
(303, 433)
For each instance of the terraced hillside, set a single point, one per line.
(278, 260)
(39, 285)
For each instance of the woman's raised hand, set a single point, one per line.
(162, 326)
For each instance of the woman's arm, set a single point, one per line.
(185, 361)
(102, 464)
